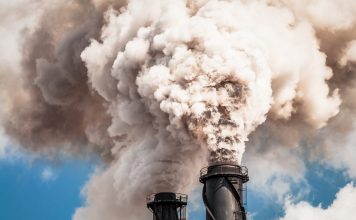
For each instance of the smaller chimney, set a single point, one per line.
(168, 206)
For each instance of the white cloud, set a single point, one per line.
(274, 171)
(48, 174)
(339, 152)
(343, 207)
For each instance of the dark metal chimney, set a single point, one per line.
(223, 191)
(168, 206)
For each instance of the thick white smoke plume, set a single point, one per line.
(161, 88)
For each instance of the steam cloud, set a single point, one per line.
(160, 88)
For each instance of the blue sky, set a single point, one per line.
(26, 194)
(41, 190)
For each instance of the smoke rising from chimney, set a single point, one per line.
(161, 88)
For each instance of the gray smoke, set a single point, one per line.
(161, 88)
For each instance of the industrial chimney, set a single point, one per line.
(223, 191)
(167, 206)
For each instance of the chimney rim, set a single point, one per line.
(224, 170)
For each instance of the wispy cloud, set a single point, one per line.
(5, 150)
(195, 203)
(48, 175)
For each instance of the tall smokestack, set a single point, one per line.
(223, 191)
(168, 206)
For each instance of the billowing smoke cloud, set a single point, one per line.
(161, 88)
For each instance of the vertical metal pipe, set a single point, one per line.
(223, 191)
